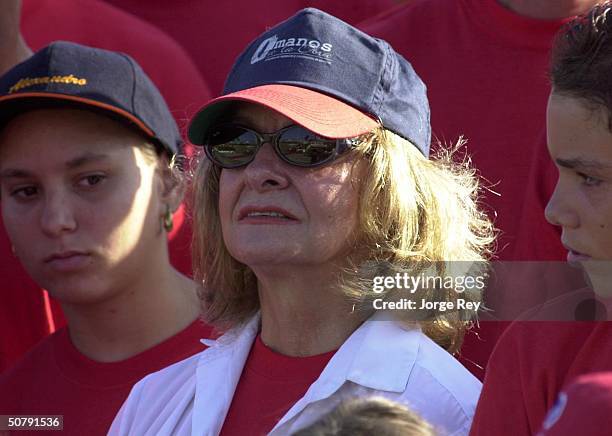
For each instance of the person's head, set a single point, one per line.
(579, 124)
(346, 181)
(369, 416)
(86, 172)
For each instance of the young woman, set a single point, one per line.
(88, 185)
(317, 182)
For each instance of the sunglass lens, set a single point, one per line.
(231, 146)
(302, 147)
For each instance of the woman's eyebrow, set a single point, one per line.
(16, 173)
(85, 159)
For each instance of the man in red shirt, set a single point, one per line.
(534, 360)
(215, 32)
(484, 63)
(24, 319)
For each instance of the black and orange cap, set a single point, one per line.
(103, 81)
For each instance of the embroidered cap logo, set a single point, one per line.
(274, 48)
(31, 81)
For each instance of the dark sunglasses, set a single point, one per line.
(232, 145)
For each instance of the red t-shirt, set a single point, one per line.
(530, 365)
(23, 319)
(216, 32)
(54, 378)
(485, 68)
(270, 384)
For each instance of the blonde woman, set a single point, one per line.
(316, 182)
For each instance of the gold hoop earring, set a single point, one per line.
(167, 220)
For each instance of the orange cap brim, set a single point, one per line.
(319, 113)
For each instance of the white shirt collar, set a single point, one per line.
(365, 358)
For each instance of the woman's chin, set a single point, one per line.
(265, 258)
(257, 251)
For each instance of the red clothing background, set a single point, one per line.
(216, 32)
(23, 316)
(485, 68)
(54, 378)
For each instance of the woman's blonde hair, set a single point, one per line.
(416, 215)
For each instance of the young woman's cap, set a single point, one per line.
(329, 77)
(111, 83)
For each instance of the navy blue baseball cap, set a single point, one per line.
(107, 82)
(329, 77)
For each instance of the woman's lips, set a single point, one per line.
(267, 219)
(68, 261)
(265, 215)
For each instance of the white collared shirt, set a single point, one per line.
(382, 358)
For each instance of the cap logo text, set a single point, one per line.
(275, 48)
(31, 81)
